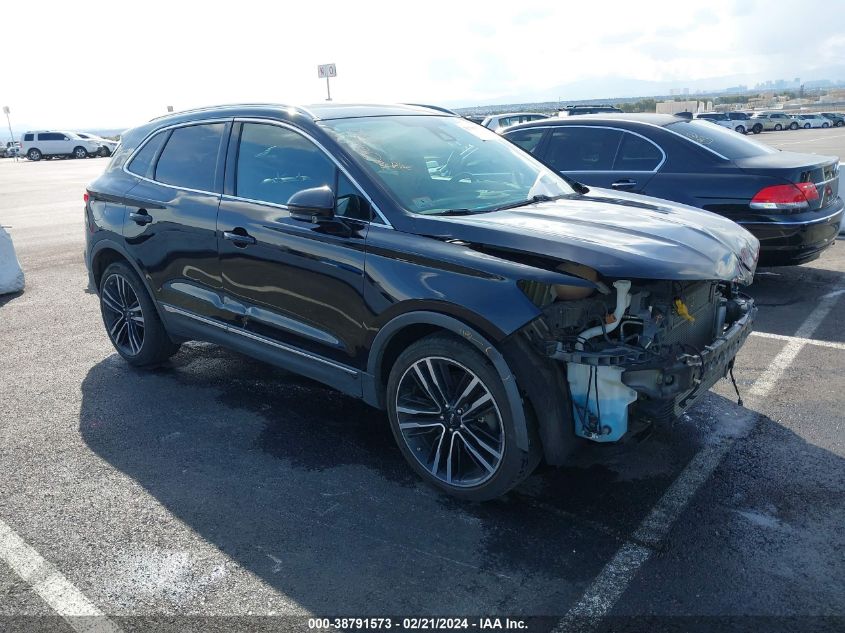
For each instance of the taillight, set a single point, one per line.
(785, 197)
(85, 197)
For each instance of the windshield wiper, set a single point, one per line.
(452, 212)
(531, 200)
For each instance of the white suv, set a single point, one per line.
(44, 143)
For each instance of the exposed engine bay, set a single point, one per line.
(644, 347)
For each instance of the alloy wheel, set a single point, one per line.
(123, 314)
(80, 153)
(450, 422)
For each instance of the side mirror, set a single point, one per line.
(313, 205)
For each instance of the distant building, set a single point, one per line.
(673, 107)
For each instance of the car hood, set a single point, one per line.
(618, 234)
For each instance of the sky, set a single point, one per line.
(119, 63)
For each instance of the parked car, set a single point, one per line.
(721, 118)
(789, 201)
(571, 110)
(744, 119)
(836, 119)
(498, 121)
(424, 264)
(12, 149)
(49, 144)
(808, 121)
(107, 146)
(772, 121)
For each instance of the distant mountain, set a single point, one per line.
(612, 88)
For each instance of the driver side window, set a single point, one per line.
(274, 163)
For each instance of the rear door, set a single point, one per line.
(603, 157)
(292, 284)
(171, 217)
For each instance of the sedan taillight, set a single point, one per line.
(785, 197)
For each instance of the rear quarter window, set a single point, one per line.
(526, 139)
(723, 141)
(142, 163)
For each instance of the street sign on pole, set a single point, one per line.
(327, 70)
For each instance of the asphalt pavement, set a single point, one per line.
(219, 493)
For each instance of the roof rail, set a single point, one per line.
(231, 105)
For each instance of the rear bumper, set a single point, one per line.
(791, 242)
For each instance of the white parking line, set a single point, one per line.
(56, 590)
(805, 341)
(619, 572)
(811, 140)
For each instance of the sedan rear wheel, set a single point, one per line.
(79, 152)
(450, 415)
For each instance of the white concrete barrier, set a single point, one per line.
(11, 275)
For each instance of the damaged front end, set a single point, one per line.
(649, 348)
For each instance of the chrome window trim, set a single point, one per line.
(340, 167)
(605, 127)
(257, 337)
(125, 166)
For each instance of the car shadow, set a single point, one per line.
(305, 488)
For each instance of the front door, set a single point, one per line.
(292, 284)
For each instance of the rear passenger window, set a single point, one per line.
(142, 164)
(526, 139)
(582, 148)
(189, 159)
(637, 154)
(274, 163)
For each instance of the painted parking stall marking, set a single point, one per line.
(620, 571)
(49, 583)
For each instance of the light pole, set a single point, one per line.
(6, 111)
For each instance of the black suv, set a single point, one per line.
(416, 260)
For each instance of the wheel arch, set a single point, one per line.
(409, 327)
(106, 252)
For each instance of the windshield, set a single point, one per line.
(434, 165)
(721, 140)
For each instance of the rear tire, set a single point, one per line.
(34, 154)
(825, 124)
(741, 129)
(778, 127)
(131, 320)
(80, 152)
(757, 128)
(450, 415)
(807, 126)
(839, 124)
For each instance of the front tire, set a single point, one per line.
(757, 128)
(450, 415)
(825, 124)
(778, 127)
(34, 154)
(131, 320)
(807, 126)
(740, 128)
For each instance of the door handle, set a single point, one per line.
(141, 217)
(624, 184)
(240, 238)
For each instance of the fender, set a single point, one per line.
(106, 243)
(374, 395)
